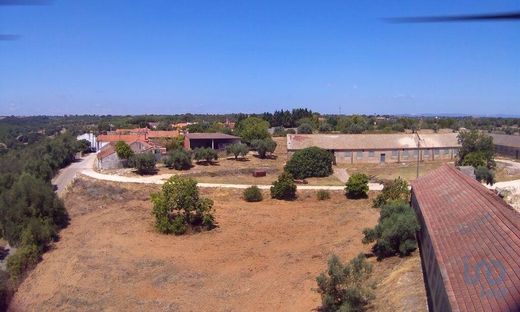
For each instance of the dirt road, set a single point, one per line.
(66, 175)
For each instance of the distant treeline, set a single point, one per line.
(15, 131)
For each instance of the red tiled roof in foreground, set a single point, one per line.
(127, 138)
(471, 228)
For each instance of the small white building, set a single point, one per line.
(89, 137)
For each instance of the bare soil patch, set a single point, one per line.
(262, 257)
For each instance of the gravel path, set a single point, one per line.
(160, 179)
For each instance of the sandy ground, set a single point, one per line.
(262, 257)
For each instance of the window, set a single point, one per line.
(437, 152)
(405, 153)
(359, 155)
(415, 152)
(347, 154)
(394, 153)
(446, 151)
(426, 152)
(371, 154)
(455, 151)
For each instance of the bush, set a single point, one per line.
(205, 154)
(395, 190)
(290, 131)
(252, 194)
(178, 159)
(24, 259)
(395, 231)
(144, 163)
(343, 286)
(178, 207)
(284, 188)
(310, 162)
(323, 195)
(474, 159)
(238, 149)
(325, 128)
(123, 150)
(305, 129)
(264, 146)
(483, 174)
(357, 186)
(279, 132)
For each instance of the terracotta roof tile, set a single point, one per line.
(470, 226)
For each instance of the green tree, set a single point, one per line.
(284, 188)
(342, 287)
(123, 150)
(357, 186)
(179, 159)
(264, 147)
(310, 162)
(252, 128)
(252, 194)
(395, 231)
(305, 129)
(394, 190)
(144, 163)
(474, 145)
(205, 154)
(483, 174)
(238, 149)
(475, 159)
(178, 207)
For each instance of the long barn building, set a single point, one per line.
(469, 242)
(380, 148)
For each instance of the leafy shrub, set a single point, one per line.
(178, 207)
(476, 150)
(179, 159)
(205, 154)
(264, 147)
(395, 231)
(310, 162)
(343, 286)
(395, 190)
(305, 128)
(325, 128)
(24, 259)
(252, 128)
(252, 194)
(323, 195)
(238, 149)
(279, 132)
(284, 188)
(144, 163)
(290, 131)
(474, 159)
(483, 174)
(123, 150)
(357, 186)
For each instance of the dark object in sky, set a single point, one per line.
(4, 37)
(498, 17)
(24, 2)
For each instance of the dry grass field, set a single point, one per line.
(262, 257)
(391, 171)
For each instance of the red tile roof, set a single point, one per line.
(210, 136)
(107, 150)
(163, 134)
(127, 138)
(471, 228)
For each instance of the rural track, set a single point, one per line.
(85, 167)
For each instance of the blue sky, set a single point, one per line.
(136, 57)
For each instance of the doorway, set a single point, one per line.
(382, 158)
